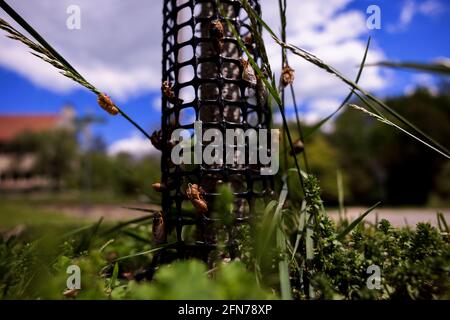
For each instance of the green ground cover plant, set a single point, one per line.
(291, 251)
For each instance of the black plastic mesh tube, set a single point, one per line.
(206, 73)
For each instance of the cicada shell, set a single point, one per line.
(106, 103)
(194, 193)
(70, 293)
(262, 92)
(167, 92)
(200, 205)
(287, 76)
(156, 139)
(217, 33)
(248, 74)
(159, 187)
(159, 229)
(298, 147)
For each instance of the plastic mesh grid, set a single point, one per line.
(207, 75)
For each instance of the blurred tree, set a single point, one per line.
(441, 190)
(350, 137)
(22, 143)
(323, 160)
(56, 155)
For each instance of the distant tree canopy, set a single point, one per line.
(59, 157)
(377, 162)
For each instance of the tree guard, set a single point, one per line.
(204, 78)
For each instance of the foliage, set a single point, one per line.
(414, 263)
(293, 249)
(59, 157)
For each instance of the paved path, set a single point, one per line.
(110, 212)
(397, 216)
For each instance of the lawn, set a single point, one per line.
(20, 212)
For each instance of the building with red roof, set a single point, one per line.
(16, 170)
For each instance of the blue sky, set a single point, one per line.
(333, 29)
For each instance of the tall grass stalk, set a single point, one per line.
(369, 100)
(319, 124)
(270, 86)
(44, 51)
(340, 188)
(282, 4)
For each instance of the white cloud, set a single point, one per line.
(119, 45)
(156, 104)
(422, 80)
(412, 8)
(337, 36)
(135, 145)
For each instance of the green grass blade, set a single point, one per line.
(384, 120)
(115, 274)
(86, 240)
(127, 223)
(144, 252)
(340, 187)
(300, 229)
(272, 222)
(283, 267)
(437, 67)
(319, 63)
(356, 221)
(136, 236)
(269, 208)
(442, 222)
(141, 209)
(50, 55)
(13, 14)
(318, 125)
(107, 243)
(270, 87)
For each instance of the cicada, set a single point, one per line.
(156, 139)
(159, 229)
(106, 103)
(159, 187)
(70, 293)
(217, 33)
(194, 193)
(248, 74)
(287, 76)
(167, 92)
(298, 147)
